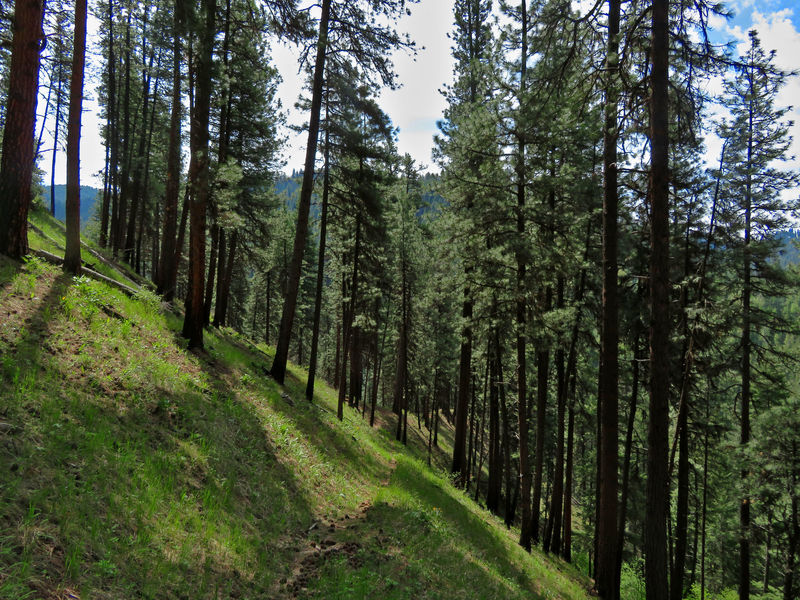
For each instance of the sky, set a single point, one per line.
(418, 104)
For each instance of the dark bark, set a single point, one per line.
(511, 482)
(323, 229)
(794, 535)
(16, 167)
(278, 370)
(138, 171)
(180, 242)
(120, 214)
(356, 367)
(168, 269)
(348, 316)
(216, 234)
(657, 496)
(542, 371)
(111, 143)
(566, 552)
(459, 466)
(552, 540)
(224, 283)
(268, 314)
(608, 402)
(626, 461)
(72, 254)
(744, 440)
(56, 131)
(198, 180)
(521, 292)
(495, 482)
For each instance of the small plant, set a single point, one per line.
(149, 298)
(106, 568)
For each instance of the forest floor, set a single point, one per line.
(133, 468)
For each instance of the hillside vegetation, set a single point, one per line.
(132, 468)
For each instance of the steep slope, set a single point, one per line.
(132, 468)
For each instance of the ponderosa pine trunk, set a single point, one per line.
(542, 373)
(198, 180)
(626, 461)
(323, 233)
(16, 166)
(72, 254)
(608, 401)
(348, 316)
(208, 300)
(521, 293)
(552, 540)
(111, 126)
(794, 536)
(495, 482)
(121, 206)
(511, 482)
(168, 268)
(278, 370)
(657, 493)
(56, 131)
(744, 440)
(224, 284)
(138, 171)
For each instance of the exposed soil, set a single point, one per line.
(325, 540)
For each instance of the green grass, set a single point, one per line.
(132, 468)
(53, 241)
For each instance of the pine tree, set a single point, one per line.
(758, 139)
(72, 255)
(354, 32)
(16, 165)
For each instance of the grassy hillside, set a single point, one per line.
(132, 468)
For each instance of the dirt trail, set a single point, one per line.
(323, 541)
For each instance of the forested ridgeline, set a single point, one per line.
(608, 324)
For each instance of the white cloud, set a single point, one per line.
(777, 32)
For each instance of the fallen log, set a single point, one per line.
(57, 260)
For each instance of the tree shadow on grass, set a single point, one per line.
(435, 536)
(334, 443)
(147, 494)
(8, 270)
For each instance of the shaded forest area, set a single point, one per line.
(610, 329)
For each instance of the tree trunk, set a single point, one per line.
(794, 535)
(72, 254)
(657, 494)
(626, 461)
(744, 440)
(138, 171)
(459, 466)
(198, 179)
(323, 229)
(216, 234)
(542, 370)
(608, 411)
(552, 541)
(224, 279)
(120, 215)
(55, 143)
(567, 542)
(168, 270)
(495, 483)
(16, 166)
(278, 370)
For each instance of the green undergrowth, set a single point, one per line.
(133, 468)
(51, 239)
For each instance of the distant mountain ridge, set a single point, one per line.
(89, 196)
